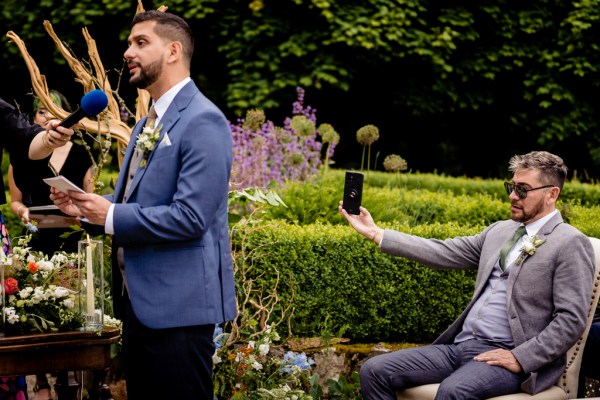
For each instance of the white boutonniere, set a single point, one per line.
(529, 247)
(146, 142)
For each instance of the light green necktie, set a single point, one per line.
(509, 245)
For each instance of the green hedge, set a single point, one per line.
(423, 199)
(341, 282)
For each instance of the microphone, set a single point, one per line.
(92, 103)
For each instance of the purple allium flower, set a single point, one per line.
(264, 153)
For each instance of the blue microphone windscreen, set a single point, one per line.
(94, 102)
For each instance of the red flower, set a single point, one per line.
(32, 267)
(11, 286)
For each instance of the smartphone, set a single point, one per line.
(353, 187)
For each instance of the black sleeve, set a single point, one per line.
(17, 132)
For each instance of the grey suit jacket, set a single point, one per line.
(547, 295)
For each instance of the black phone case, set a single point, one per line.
(353, 187)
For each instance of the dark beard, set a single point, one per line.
(535, 211)
(148, 75)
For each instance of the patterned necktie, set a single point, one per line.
(138, 155)
(151, 117)
(509, 245)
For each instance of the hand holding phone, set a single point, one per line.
(353, 187)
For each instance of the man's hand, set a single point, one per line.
(63, 202)
(502, 358)
(363, 223)
(92, 206)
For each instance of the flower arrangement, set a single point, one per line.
(255, 370)
(529, 247)
(146, 141)
(40, 292)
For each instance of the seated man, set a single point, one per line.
(530, 303)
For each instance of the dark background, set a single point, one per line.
(414, 106)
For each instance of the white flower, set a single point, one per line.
(59, 258)
(257, 366)
(529, 247)
(11, 315)
(263, 349)
(146, 141)
(69, 303)
(60, 292)
(41, 298)
(216, 359)
(45, 265)
(25, 293)
(110, 321)
(39, 295)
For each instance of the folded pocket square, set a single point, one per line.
(165, 141)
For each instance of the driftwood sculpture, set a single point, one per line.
(108, 123)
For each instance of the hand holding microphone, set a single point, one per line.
(92, 103)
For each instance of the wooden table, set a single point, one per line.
(59, 352)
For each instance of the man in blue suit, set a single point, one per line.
(172, 268)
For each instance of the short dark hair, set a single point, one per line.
(171, 27)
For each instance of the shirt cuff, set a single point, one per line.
(108, 226)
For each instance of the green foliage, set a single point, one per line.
(339, 277)
(317, 200)
(342, 283)
(345, 389)
(420, 198)
(528, 70)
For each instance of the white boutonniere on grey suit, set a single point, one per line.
(529, 247)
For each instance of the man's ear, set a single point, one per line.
(175, 51)
(554, 193)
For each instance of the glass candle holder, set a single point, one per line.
(91, 283)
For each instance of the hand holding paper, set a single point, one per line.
(63, 184)
(74, 201)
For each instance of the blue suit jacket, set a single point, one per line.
(173, 227)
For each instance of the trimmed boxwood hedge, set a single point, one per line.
(341, 282)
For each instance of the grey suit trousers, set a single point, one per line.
(451, 364)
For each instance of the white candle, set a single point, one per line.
(89, 276)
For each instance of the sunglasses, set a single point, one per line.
(521, 191)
